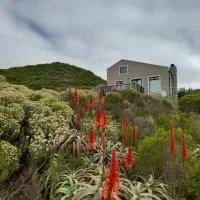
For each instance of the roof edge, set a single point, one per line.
(115, 63)
(156, 65)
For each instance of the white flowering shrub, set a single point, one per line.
(22, 89)
(10, 118)
(9, 159)
(48, 118)
(50, 92)
(4, 85)
(9, 96)
(43, 94)
(59, 106)
(46, 127)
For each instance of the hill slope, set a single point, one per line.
(56, 76)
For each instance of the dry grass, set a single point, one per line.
(24, 187)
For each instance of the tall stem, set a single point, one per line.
(98, 137)
(103, 154)
(174, 176)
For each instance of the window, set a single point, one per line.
(123, 70)
(136, 80)
(154, 84)
(120, 84)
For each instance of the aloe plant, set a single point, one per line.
(67, 187)
(75, 143)
(90, 187)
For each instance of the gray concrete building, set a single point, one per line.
(147, 78)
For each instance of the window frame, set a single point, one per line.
(121, 84)
(137, 78)
(121, 67)
(149, 84)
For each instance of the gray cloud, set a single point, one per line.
(95, 34)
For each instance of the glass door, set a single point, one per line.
(136, 81)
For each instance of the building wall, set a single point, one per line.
(138, 70)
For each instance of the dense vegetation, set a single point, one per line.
(57, 76)
(76, 144)
(182, 92)
(190, 103)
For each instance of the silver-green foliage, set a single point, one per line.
(85, 183)
(9, 159)
(47, 118)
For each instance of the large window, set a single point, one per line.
(154, 84)
(120, 84)
(123, 70)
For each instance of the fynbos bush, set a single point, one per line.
(9, 159)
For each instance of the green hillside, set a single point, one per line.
(55, 75)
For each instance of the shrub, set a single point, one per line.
(190, 103)
(115, 105)
(9, 159)
(9, 96)
(2, 79)
(153, 152)
(142, 109)
(136, 104)
(43, 94)
(182, 92)
(145, 125)
(46, 127)
(10, 118)
(189, 182)
(46, 118)
(188, 121)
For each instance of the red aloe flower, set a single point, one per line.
(91, 139)
(111, 184)
(172, 143)
(76, 96)
(104, 151)
(87, 108)
(125, 121)
(125, 128)
(100, 96)
(129, 160)
(104, 141)
(78, 99)
(124, 134)
(78, 115)
(134, 135)
(184, 147)
(91, 102)
(104, 123)
(98, 116)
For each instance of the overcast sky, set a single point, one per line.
(94, 34)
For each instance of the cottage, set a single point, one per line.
(144, 77)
